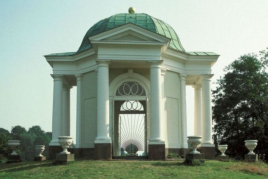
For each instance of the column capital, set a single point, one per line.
(206, 76)
(155, 64)
(183, 76)
(197, 86)
(57, 76)
(79, 76)
(67, 87)
(102, 63)
(163, 71)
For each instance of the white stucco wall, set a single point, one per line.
(172, 109)
(89, 109)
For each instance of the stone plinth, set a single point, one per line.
(251, 158)
(156, 152)
(40, 158)
(103, 151)
(223, 158)
(194, 159)
(64, 158)
(13, 158)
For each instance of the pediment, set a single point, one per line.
(129, 33)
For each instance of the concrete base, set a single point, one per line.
(194, 159)
(83, 153)
(13, 158)
(103, 151)
(43, 158)
(251, 158)
(64, 158)
(156, 152)
(53, 151)
(209, 152)
(223, 158)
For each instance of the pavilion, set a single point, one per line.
(131, 65)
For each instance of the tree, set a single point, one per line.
(241, 104)
(36, 130)
(17, 131)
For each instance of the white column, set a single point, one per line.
(57, 109)
(206, 111)
(103, 103)
(155, 104)
(163, 106)
(65, 125)
(183, 111)
(78, 110)
(197, 110)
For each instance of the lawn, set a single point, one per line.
(134, 169)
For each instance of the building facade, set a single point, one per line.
(131, 64)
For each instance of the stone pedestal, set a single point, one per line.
(64, 158)
(39, 158)
(194, 159)
(251, 158)
(223, 158)
(53, 151)
(13, 158)
(209, 152)
(156, 152)
(103, 151)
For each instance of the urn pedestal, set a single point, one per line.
(65, 156)
(251, 156)
(194, 157)
(13, 157)
(39, 149)
(223, 157)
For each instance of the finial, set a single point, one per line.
(131, 10)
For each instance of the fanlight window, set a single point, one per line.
(131, 106)
(130, 88)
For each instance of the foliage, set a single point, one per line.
(134, 169)
(28, 139)
(241, 104)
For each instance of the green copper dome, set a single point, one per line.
(142, 20)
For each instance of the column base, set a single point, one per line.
(209, 152)
(53, 151)
(156, 152)
(251, 158)
(103, 151)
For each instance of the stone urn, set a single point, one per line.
(222, 148)
(65, 142)
(194, 141)
(251, 144)
(39, 150)
(14, 145)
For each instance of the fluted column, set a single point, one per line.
(57, 109)
(183, 111)
(163, 106)
(65, 124)
(206, 111)
(103, 103)
(197, 110)
(78, 109)
(155, 104)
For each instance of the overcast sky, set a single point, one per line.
(30, 29)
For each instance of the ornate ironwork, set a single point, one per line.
(130, 88)
(132, 106)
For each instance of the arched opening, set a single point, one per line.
(130, 123)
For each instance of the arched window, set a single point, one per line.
(130, 88)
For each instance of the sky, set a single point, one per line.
(30, 29)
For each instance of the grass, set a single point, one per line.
(134, 169)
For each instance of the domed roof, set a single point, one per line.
(142, 20)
